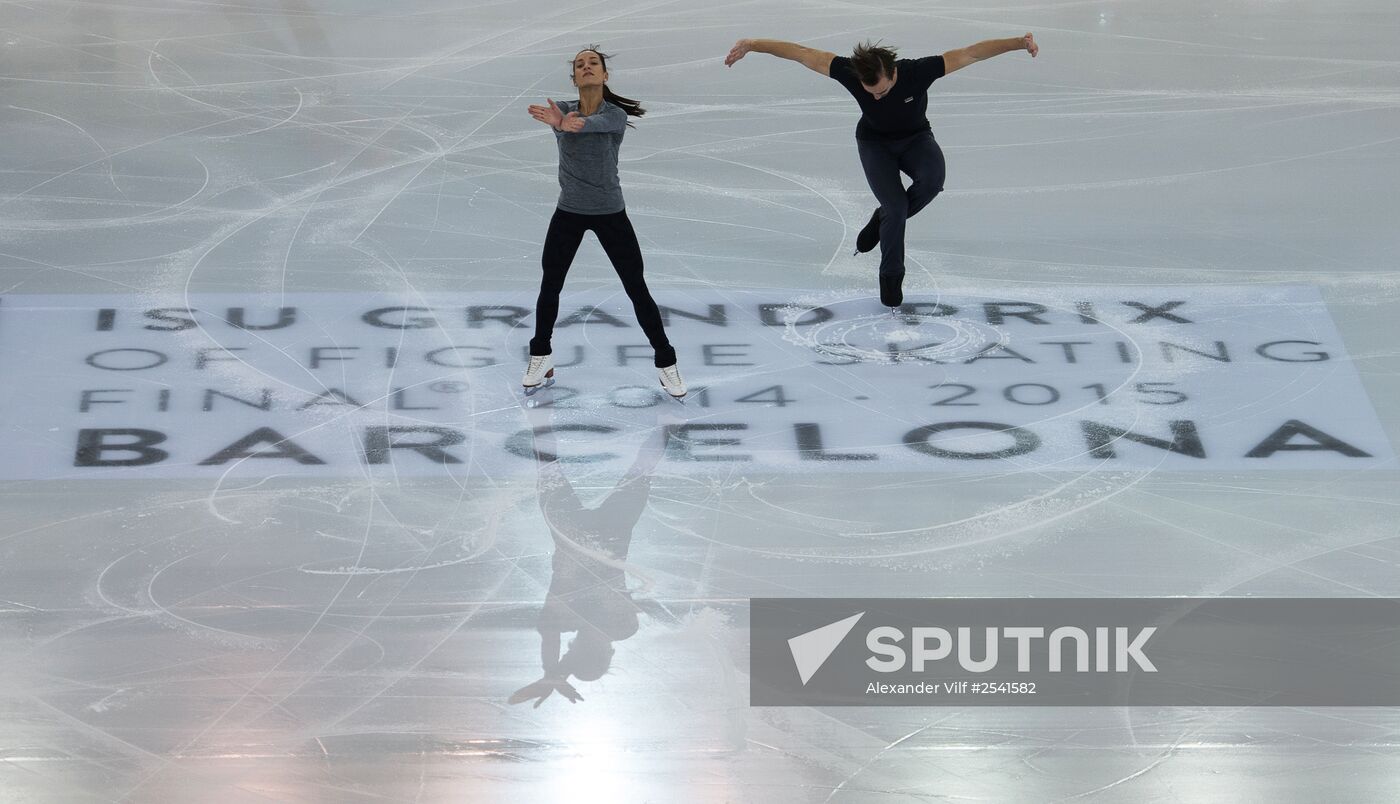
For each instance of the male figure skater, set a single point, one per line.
(893, 135)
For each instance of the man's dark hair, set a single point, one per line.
(872, 61)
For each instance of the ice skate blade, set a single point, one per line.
(531, 390)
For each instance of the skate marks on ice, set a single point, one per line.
(916, 331)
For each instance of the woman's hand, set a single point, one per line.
(1028, 42)
(567, 690)
(554, 117)
(550, 115)
(572, 123)
(542, 689)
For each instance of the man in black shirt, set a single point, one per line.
(893, 135)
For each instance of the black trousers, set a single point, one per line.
(619, 241)
(921, 159)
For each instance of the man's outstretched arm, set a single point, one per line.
(811, 58)
(960, 58)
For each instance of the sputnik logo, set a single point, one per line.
(811, 650)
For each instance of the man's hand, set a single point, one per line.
(1028, 42)
(741, 48)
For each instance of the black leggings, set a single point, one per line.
(618, 239)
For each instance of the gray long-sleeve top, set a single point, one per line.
(588, 182)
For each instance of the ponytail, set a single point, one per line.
(631, 107)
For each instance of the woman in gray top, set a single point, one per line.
(589, 134)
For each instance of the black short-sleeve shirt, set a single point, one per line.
(903, 111)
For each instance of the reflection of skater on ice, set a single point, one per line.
(588, 586)
(589, 134)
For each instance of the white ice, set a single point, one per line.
(254, 632)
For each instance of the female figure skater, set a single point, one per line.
(589, 134)
(893, 135)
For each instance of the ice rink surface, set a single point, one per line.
(271, 595)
